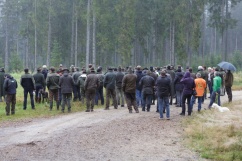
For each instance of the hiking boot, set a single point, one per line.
(87, 111)
(182, 114)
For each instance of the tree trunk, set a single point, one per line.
(49, 38)
(88, 34)
(94, 38)
(72, 32)
(6, 61)
(76, 34)
(35, 37)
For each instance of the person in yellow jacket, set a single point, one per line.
(200, 86)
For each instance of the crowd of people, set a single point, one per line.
(138, 87)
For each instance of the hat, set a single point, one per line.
(44, 66)
(60, 65)
(200, 68)
(138, 67)
(65, 69)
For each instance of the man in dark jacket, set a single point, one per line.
(129, 87)
(39, 82)
(99, 91)
(172, 76)
(154, 75)
(52, 83)
(10, 85)
(110, 83)
(189, 85)
(138, 90)
(119, 90)
(178, 87)
(66, 85)
(28, 84)
(229, 79)
(163, 88)
(91, 85)
(2, 72)
(147, 83)
(76, 87)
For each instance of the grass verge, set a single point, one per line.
(215, 135)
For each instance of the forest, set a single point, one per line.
(119, 32)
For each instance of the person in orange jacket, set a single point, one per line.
(200, 86)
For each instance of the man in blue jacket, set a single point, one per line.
(10, 85)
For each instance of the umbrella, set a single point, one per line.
(227, 66)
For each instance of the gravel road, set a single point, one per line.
(113, 135)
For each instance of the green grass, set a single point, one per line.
(215, 136)
(41, 111)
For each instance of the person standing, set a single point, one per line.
(119, 90)
(217, 83)
(76, 87)
(109, 83)
(229, 79)
(138, 90)
(172, 76)
(99, 92)
(10, 85)
(28, 84)
(91, 85)
(66, 87)
(52, 83)
(178, 87)
(200, 86)
(2, 72)
(147, 83)
(129, 87)
(39, 82)
(189, 85)
(163, 89)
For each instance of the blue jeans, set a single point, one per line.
(146, 100)
(138, 98)
(179, 98)
(99, 94)
(30, 91)
(199, 99)
(213, 97)
(164, 103)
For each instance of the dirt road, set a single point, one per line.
(113, 135)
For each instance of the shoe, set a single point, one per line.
(24, 108)
(62, 111)
(143, 109)
(115, 107)
(87, 111)
(157, 111)
(122, 105)
(177, 106)
(12, 113)
(7, 114)
(106, 108)
(168, 118)
(137, 111)
(209, 107)
(33, 108)
(182, 114)
(92, 110)
(209, 97)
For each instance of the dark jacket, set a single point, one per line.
(139, 74)
(52, 81)
(163, 86)
(10, 85)
(39, 79)
(178, 85)
(91, 82)
(109, 80)
(27, 81)
(76, 76)
(66, 83)
(100, 77)
(129, 83)
(147, 83)
(119, 79)
(1, 83)
(229, 78)
(45, 73)
(188, 83)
